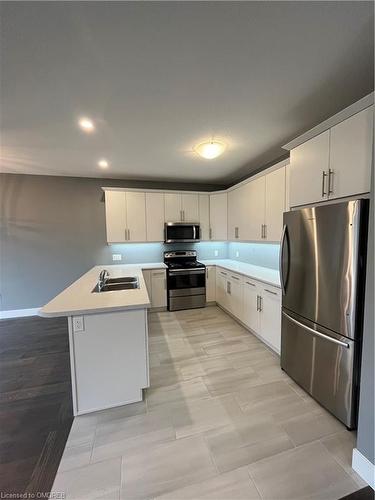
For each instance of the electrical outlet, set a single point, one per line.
(78, 324)
(237, 253)
(116, 256)
(216, 253)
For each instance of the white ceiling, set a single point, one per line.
(158, 77)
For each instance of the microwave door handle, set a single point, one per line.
(194, 232)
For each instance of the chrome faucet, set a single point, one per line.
(103, 276)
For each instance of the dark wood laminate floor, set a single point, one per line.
(362, 494)
(35, 402)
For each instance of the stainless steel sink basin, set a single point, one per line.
(115, 284)
(122, 279)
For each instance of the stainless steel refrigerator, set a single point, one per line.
(322, 269)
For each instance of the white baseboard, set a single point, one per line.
(363, 468)
(19, 313)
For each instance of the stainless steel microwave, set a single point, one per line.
(181, 232)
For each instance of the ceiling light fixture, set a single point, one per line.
(86, 124)
(210, 149)
(103, 163)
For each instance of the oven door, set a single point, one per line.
(175, 232)
(183, 282)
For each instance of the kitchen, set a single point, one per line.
(213, 328)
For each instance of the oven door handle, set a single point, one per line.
(184, 271)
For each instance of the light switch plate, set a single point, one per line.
(78, 324)
(216, 253)
(116, 256)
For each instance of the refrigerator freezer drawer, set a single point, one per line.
(322, 363)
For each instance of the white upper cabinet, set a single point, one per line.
(155, 216)
(351, 155)
(218, 217)
(181, 207)
(125, 216)
(204, 216)
(136, 216)
(190, 207)
(274, 205)
(172, 206)
(334, 164)
(309, 164)
(255, 196)
(238, 213)
(115, 216)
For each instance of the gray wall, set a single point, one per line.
(365, 436)
(52, 230)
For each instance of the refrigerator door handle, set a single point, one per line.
(314, 332)
(281, 256)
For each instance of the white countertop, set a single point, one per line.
(264, 274)
(79, 299)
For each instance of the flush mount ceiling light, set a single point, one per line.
(86, 124)
(103, 163)
(210, 149)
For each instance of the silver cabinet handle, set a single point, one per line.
(248, 283)
(330, 181)
(265, 231)
(235, 277)
(261, 231)
(222, 272)
(270, 291)
(324, 176)
(228, 287)
(128, 234)
(314, 332)
(210, 233)
(258, 303)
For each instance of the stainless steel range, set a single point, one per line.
(186, 280)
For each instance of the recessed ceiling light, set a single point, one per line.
(210, 149)
(103, 163)
(86, 124)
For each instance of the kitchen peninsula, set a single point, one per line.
(107, 338)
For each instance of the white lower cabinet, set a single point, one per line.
(221, 287)
(158, 288)
(270, 316)
(256, 305)
(250, 315)
(210, 284)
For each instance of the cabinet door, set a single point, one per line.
(307, 164)
(275, 204)
(136, 216)
(221, 287)
(204, 216)
(351, 155)
(172, 207)
(155, 216)
(158, 288)
(271, 317)
(218, 216)
(210, 284)
(190, 207)
(255, 194)
(147, 277)
(235, 292)
(250, 314)
(115, 216)
(233, 214)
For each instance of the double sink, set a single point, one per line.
(113, 284)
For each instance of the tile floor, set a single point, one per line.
(220, 421)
